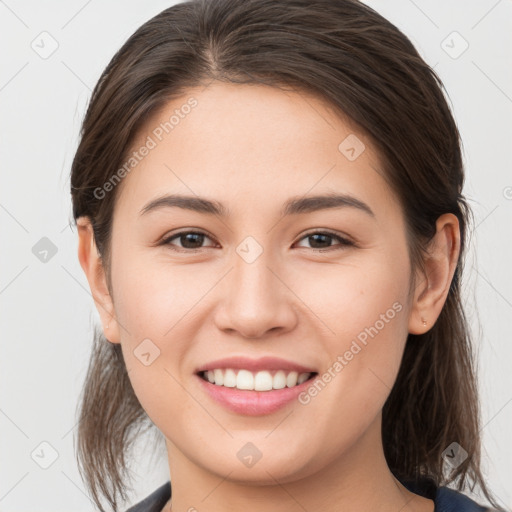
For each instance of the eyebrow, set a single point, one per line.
(293, 206)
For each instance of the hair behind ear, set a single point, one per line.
(437, 375)
(110, 418)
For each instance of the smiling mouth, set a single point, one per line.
(265, 380)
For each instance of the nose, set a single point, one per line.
(257, 301)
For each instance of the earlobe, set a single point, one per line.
(91, 263)
(434, 283)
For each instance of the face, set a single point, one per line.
(273, 289)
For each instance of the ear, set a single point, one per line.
(432, 286)
(91, 263)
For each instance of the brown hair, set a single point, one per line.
(358, 62)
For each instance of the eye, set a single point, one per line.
(189, 240)
(321, 240)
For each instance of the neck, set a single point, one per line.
(358, 479)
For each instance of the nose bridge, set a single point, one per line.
(254, 285)
(257, 300)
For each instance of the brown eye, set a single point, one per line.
(321, 240)
(188, 240)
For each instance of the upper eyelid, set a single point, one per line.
(186, 231)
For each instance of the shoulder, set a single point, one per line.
(449, 500)
(445, 499)
(155, 501)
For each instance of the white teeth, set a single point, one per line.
(244, 380)
(229, 379)
(279, 380)
(291, 379)
(263, 381)
(258, 381)
(218, 377)
(303, 377)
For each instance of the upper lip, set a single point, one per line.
(261, 364)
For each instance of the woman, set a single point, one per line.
(269, 204)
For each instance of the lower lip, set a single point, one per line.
(253, 403)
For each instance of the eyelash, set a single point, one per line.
(344, 242)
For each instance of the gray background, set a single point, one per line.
(47, 310)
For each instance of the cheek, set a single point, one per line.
(157, 304)
(350, 296)
(153, 298)
(362, 312)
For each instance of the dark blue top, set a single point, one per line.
(445, 499)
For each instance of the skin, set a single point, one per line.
(252, 147)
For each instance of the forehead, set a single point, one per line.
(250, 144)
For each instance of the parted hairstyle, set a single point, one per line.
(367, 70)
